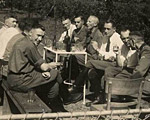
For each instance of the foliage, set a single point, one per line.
(134, 13)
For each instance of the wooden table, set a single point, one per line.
(60, 52)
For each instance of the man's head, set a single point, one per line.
(37, 33)
(10, 21)
(109, 28)
(137, 39)
(79, 21)
(92, 22)
(26, 24)
(125, 34)
(66, 23)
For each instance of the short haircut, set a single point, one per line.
(27, 23)
(96, 20)
(66, 18)
(124, 28)
(139, 36)
(82, 18)
(112, 22)
(10, 16)
(38, 26)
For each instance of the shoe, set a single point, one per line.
(121, 99)
(73, 98)
(57, 108)
(75, 90)
(100, 99)
(56, 105)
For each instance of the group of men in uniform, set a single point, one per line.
(109, 55)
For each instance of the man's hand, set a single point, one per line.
(46, 75)
(112, 58)
(73, 49)
(76, 38)
(94, 44)
(109, 58)
(53, 65)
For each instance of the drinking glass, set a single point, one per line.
(31, 96)
(116, 49)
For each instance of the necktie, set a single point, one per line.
(108, 45)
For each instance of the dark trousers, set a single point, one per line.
(97, 66)
(35, 80)
(118, 72)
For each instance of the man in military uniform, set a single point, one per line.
(28, 71)
(142, 68)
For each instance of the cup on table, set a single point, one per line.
(116, 49)
(31, 96)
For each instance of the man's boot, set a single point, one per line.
(95, 81)
(56, 105)
(79, 82)
(67, 97)
(99, 98)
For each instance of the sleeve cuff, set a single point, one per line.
(39, 62)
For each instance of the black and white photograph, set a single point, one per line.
(74, 59)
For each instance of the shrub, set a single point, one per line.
(134, 13)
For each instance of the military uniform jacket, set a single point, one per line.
(97, 36)
(143, 66)
(24, 66)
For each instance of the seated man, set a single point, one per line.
(143, 66)
(93, 35)
(64, 42)
(66, 36)
(25, 25)
(27, 70)
(8, 30)
(77, 44)
(6, 36)
(106, 58)
(9, 21)
(79, 34)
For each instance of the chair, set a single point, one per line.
(125, 87)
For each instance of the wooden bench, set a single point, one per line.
(20, 101)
